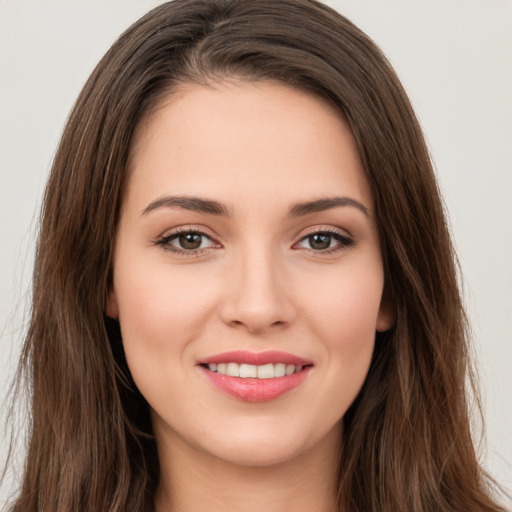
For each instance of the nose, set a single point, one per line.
(258, 296)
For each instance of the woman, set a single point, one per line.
(237, 296)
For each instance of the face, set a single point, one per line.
(247, 272)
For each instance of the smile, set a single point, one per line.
(246, 371)
(255, 377)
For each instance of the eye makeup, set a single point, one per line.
(187, 241)
(192, 241)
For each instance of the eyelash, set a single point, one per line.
(165, 242)
(343, 240)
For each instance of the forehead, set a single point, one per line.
(245, 139)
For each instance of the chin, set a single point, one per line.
(266, 447)
(250, 455)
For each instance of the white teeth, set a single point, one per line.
(279, 370)
(246, 371)
(233, 370)
(266, 371)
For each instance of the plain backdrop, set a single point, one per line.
(454, 58)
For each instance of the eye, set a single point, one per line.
(186, 241)
(325, 241)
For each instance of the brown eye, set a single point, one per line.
(190, 241)
(319, 241)
(186, 242)
(325, 241)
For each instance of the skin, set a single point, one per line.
(257, 283)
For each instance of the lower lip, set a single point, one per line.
(256, 390)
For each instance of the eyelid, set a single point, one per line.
(165, 239)
(189, 228)
(344, 238)
(324, 228)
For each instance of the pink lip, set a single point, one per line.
(255, 390)
(255, 358)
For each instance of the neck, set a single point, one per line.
(189, 482)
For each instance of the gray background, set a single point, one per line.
(454, 58)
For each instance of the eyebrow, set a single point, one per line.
(195, 204)
(320, 205)
(211, 207)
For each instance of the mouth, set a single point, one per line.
(255, 377)
(248, 371)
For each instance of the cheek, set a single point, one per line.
(160, 312)
(344, 318)
(346, 306)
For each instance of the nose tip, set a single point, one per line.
(257, 300)
(254, 324)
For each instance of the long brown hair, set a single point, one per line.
(407, 444)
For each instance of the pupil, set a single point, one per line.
(319, 241)
(190, 241)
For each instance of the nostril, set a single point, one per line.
(254, 326)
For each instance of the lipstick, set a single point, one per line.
(255, 376)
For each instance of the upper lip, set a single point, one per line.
(255, 358)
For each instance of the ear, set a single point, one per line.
(386, 317)
(111, 309)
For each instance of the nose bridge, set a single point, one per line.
(257, 297)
